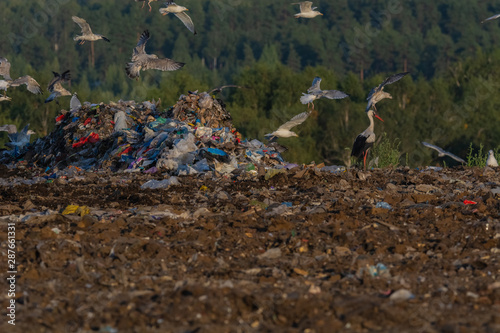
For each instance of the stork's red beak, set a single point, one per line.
(376, 116)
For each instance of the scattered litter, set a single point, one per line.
(383, 204)
(160, 184)
(401, 295)
(75, 209)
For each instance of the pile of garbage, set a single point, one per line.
(193, 136)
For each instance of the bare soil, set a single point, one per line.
(294, 253)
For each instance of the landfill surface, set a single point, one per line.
(299, 250)
(133, 218)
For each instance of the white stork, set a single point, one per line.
(365, 140)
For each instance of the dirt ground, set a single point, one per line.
(303, 251)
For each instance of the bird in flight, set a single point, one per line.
(284, 130)
(442, 152)
(7, 81)
(377, 94)
(315, 92)
(143, 61)
(56, 88)
(306, 10)
(180, 12)
(87, 34)
(144, 2)
(494, 17)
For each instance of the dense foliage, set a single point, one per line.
(451, 98)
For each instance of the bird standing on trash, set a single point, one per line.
(7, 82)
(442, 152)
(491, 161)
(180, 12)
(306, 10)
(17, 139)
(365, 140)
(87, 34)
(315, 92)
(143, 61)
(284, 130)
(377, 94)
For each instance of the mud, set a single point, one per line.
(294, 253)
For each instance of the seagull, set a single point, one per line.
(17, 139)
(377, 94)
(219, 89)
(365, 140)
(306, 10)
(75, 103)
(179, 11)
(143, 61)
(144, 2)
(442, 153)
(7, 82)
(494, 17)
(5, 98)
(56, 88)
(284, 130)
(491, 161)
(315, 92)
(87, 34)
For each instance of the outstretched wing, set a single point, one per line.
(141, 45)
(30, 83)
(10, 129)
(306, 6)
(393, 78)
(455, 157)
(334, 94)
(83, 25)
(64, 77)
(315, 85)
(5, 68)
(162, 64)
(297, 120)
(438, 149)
(494, 17)
(187, 21)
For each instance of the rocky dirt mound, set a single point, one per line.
(296, 251)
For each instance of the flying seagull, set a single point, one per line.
(5, 98)
(17, 139)
(219, 89)
(366, 139)
(179, 11)
(56, 88)
(491, 161)
(7, 82)
(144, 2)
(377, 94)
(315, 92)
(442, 152)
(87, 34)
(284, 130)
(143, 61)
(494, 17)
(306, 10)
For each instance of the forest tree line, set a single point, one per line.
(450, 99)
